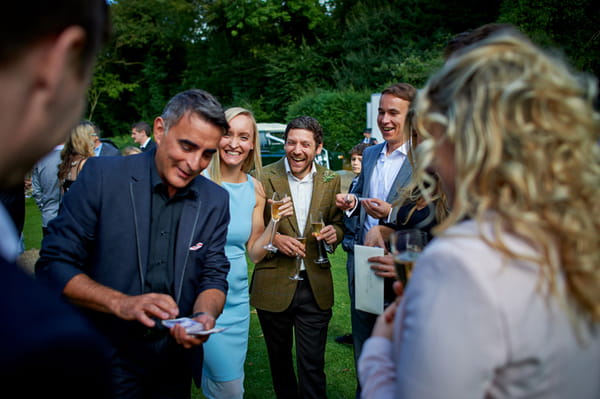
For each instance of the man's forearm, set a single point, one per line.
(210, 301)
(84, 291)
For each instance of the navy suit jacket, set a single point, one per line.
(103, 230)
(151, 145)
(47, 349)
(109, 150)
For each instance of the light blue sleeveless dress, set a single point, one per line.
(225, 353)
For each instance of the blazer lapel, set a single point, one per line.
(139, 193)
(185, 236)
(401, 180)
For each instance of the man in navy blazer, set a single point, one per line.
(385, 170)
(141, 239)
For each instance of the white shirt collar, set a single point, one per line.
(403, 149)
(288, 170)
(145, 143)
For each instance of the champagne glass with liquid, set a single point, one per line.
(317, 225)
(298, 261)
(277, 203)
(406, 245)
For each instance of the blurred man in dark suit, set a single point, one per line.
(47, 52)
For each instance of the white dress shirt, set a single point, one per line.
(301, 190)
(385, 172)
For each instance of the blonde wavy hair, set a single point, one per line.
(252, 162)
(79, 145)
(525, 138)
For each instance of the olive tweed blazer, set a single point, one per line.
(271, 288)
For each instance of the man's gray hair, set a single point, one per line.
(199, 102)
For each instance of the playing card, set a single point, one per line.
(192, 327)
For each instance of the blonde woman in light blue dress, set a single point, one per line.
(239, 153)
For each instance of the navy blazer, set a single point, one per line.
(369, 160)
(47, 349)
(103, 230)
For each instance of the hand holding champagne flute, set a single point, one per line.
(318, 225)
(277, 202)
(406, 245)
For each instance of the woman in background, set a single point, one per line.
(77, 149)
(238, 154)
(504, 301)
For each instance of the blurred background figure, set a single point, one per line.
(367, 137)
(504, 301)
(131, 150)
(102, 147)
(141, 133)
(46, 187)
(77, 149)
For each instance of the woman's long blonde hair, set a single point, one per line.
(253, 162)
(79, 145)
(525, 138)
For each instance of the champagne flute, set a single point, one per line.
(406, 245)
(298, 261)
(277, 203)
(317, 225)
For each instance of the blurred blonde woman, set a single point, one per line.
(237, 156)
(505, 301)
(77, 149)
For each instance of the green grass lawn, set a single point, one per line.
(339, 363)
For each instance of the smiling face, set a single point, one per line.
(301, 150)
(237, 143)
(185, 150)
(390, 118)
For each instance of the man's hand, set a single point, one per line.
(383, 266)
(189, 341)
(345, 201)
(143, 307)
(377, 236)
(376, 208)
(289, 245)
(328, 234)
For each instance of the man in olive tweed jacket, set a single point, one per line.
(284, 305)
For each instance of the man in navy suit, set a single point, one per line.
(141, 134)
(47, 52)
(141, 239)
(385, 170)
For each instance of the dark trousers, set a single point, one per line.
(156, 368)
(362, 322)
(308, 323)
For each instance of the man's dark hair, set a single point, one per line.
(465, 39)
(359, 148)
(199, 102)
(307, 123)
(142, 126)
(27, 22)
(404, 91)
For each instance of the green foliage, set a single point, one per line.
(571, 26)
(341, 113)
(266, 55)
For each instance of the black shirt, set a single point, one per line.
(164, 223)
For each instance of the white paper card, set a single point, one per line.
(368, 287)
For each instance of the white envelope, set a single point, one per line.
(368, 287)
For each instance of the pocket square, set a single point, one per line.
(196, 247)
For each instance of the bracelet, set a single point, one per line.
(197, 314)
